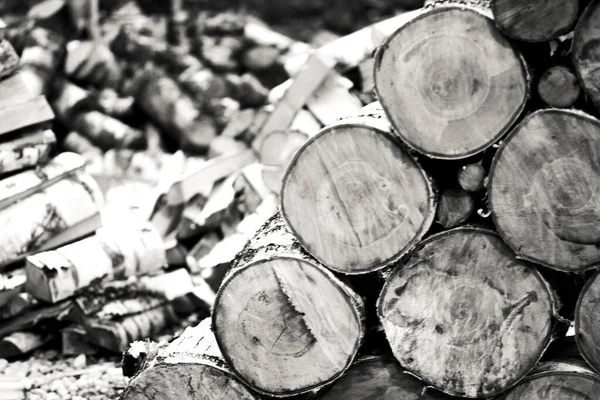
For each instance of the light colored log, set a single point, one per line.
(450, 83)
(26, 150)
(355, 199)
(544, 192)
(28, 113)
(585, 49)
(486, 326)
(471, 177)
(587, 331)
(278, 147)
(279, 311)
(191, 367)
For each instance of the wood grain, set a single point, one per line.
(471, 177)
(586, 51)
(536, 20)
(455, 206)
(558, 87)
(450, 82)
(544, 192)
(354, 197)
(587, 322)
(465, 315)
(191, 367)
(285, 323)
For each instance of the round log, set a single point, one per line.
(535, 20)
(558, 87)
(284, 322)
(471, 177)
(454, 208)
(354, 198)
(190, 367)
(558, 380)
(450, 82)
(586, 51)
(544, 192)
(587, 322)
(486, 326)
(378, 377)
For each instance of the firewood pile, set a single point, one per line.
(347, 223)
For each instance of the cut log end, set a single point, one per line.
(355, 199)
(558, 87)
(472, 177)
(537, 20)
(544, 190)
(587, 322)
(585, 50)
(486, 326)
(454, 208)
(284, 323)
(450, 82)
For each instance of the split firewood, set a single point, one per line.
(306, 122)
(12, 284)
(79, 144)
(207, 174)
(273, 176)
(16, 305)
(34, 316)
(29, 113)
(278, 147)
(115, 251)
(553, 203)
(222, 145)
(379, 377)
(492, 319)
(27, 149)
(568, 378)
(333, 100)
(586, 322)
(447, 85)
(585, 50)
(111, 103)
(40, 58)
(558, 87)
(59, 214)
(74, 341)
(471, 177)
(221, 52)
(239, 123)
(9, 60)
(14, 90)
(315, 319)
(189, 367)
(21, 343)
(162, 99)
(366, 204)
(251, 187)
(26, 183)
(455, 206)
(207, 242)
(539, 22)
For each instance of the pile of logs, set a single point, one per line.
(438, 243)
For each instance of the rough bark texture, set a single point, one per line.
(446, 97)
(191, 367)
(586, 51)
(355, 199)
(487, 325)
(285, 324)
(544, 192)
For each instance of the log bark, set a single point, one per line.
(543, 190)
(346, 195)
(59, 214)
(190, 367)
(26, 150)
(313, 318)
(115, 251)
(586, 50)
(587, 332)
(558, 87)
(535, 21)
(444, 96)
(455, 206)
(9, 60)
(559, 379)
(30, 113)
(488, 324)
(378, 377)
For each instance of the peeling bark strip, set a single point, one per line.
(464, 314)
(27, 150)
(566, 379)
(284, 322)
(544, 192)
(379, 377)
(129, 249)
(45, 218)
(586, 51)
(587, 322)
(191, 367)
(450, 83)
(354, 198)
